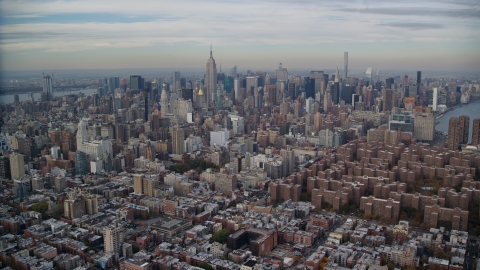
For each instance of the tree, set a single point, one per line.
(391, 265)
(40, 207)
(205, 266)
(221, 236)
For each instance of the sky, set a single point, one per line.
(252, 34)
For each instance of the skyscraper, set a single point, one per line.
(464, 125)
(453, 133)
(17, 166)
(345, 64)
(176, 81)
(136, 82)
(211, 77)
(218, 98)
(48, 87)
(388, 97)
(419, 78)
(476, 132)
(435, 99)
(81, 167)
(281, 73)
(178, 140)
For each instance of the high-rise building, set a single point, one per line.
(17, 166)
(476, 132)
(233, 72)
(424, 127)
(435, 99)
(218, 98)
(389, 83)
(369, 75)
(178, 140)
(48, 87)
(113, 238)
(453, 133)
(464, 122)
(288, 156)
(281, 73)
(81, 167)
(419, 78)
(345, 64)
(136, 82)
(388, 97)
(176, 81)
(211, 78)
(238, 124)
(5, 168)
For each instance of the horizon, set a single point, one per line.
(61, 35)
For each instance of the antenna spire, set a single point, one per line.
(211, 55)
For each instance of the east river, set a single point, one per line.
(37, 95)
(472, 109)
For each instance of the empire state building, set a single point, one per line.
(211, 78)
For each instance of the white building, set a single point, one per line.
(238, 124)
(93, 148)
(193, 143)
(309, 105)
(219, 137)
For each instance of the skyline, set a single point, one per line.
(381, 34)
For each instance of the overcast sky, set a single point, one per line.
(253, 34)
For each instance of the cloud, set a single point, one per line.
(414, 25)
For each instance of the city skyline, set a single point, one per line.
(385, 35)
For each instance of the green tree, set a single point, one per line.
(205, 266)
(221, 236)
(40, 207)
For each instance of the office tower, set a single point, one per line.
(81, 167)
(176, 83)
(464, 122)
(389, 83)
(405, 80)
(453, 133)
(345, 64)
(233, 72)
(48, 88)
(147, 104)
(136, 82)
(281, 73)
(30, 97)
(335, 92)
(388, 97)
(419, 78)
(236, 87)
(251, 85)
(178, 140)
(476, 132)
(309, 105)
(211, 78)
(238, 124)
(424, 127)
(317, 121)
(369, 75)
(218, 98)
(113, 83)
(337, 75)
(17, 166)
(5, 168)
(113, 238)
(435, 99)
(315, 85)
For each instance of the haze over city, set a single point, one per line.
(393, 35)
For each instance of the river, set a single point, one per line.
(37, 95)
(472, 109)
